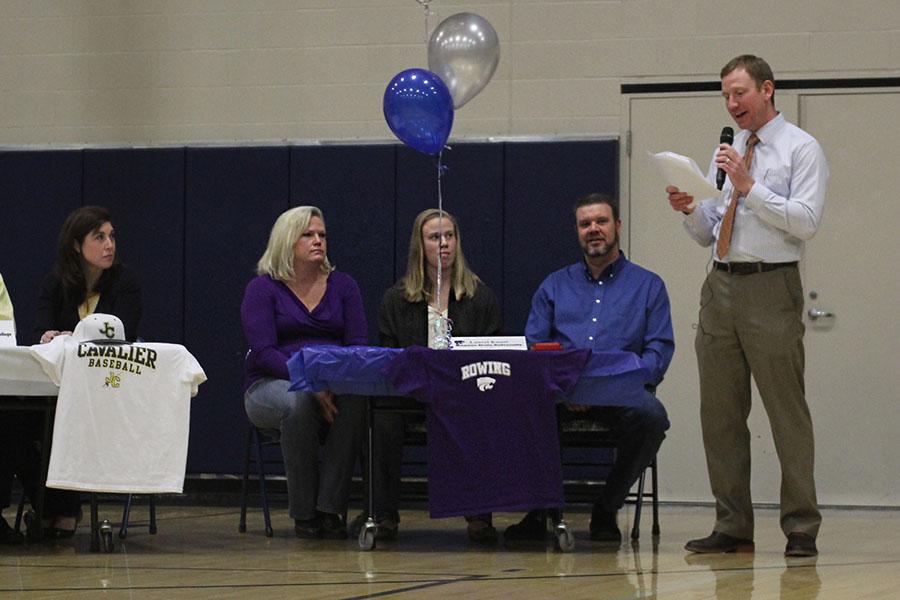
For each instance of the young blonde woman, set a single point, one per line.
(406, 318)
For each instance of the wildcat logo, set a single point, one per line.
(108, 330)
(481, 369)
(485, 383)
(112, 381)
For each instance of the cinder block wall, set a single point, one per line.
(93, 72)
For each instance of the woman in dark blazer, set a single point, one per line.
(87, 278)
(410, 314)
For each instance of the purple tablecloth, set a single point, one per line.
(459, 446)
(608, 379)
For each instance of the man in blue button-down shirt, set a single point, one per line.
(605, 302)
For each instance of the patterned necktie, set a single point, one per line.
(725, 231)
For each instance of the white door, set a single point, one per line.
(849, 380)
(853, 359)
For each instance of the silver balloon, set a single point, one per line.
(464, 51)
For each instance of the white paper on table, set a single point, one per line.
(683, 173)
(7, 333)
(496, 342)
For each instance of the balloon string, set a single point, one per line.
(442, 337)
(428, 12)
(440, 227)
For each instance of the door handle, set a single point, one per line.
(815, 313)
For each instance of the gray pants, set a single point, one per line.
(296, 415)
(751, 324)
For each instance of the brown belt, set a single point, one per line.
(748, 268)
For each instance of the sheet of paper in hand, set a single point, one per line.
(683, 173)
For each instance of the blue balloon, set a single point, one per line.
(418, 108)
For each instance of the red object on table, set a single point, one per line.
(546, 346)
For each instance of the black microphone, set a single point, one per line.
(727, 137)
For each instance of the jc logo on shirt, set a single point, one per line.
(112, 381)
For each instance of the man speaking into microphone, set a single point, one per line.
(771, 202)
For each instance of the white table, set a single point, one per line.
(25, 386)
(21, 374)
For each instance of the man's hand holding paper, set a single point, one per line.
(683, 174)
(679, 200)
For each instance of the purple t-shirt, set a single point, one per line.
(276, 324)
(491, 419)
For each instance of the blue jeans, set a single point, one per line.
(311, 486)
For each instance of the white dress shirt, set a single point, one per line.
(785, 204)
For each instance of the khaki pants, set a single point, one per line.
(751, 324)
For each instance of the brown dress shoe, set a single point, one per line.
(480, 531)
(800, 544)
(308, 529)
(718, 543)
(531, 527)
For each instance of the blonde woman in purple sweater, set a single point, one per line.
(298, 299)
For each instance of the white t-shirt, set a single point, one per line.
(123, 414)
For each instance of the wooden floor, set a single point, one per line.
(198, 553)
